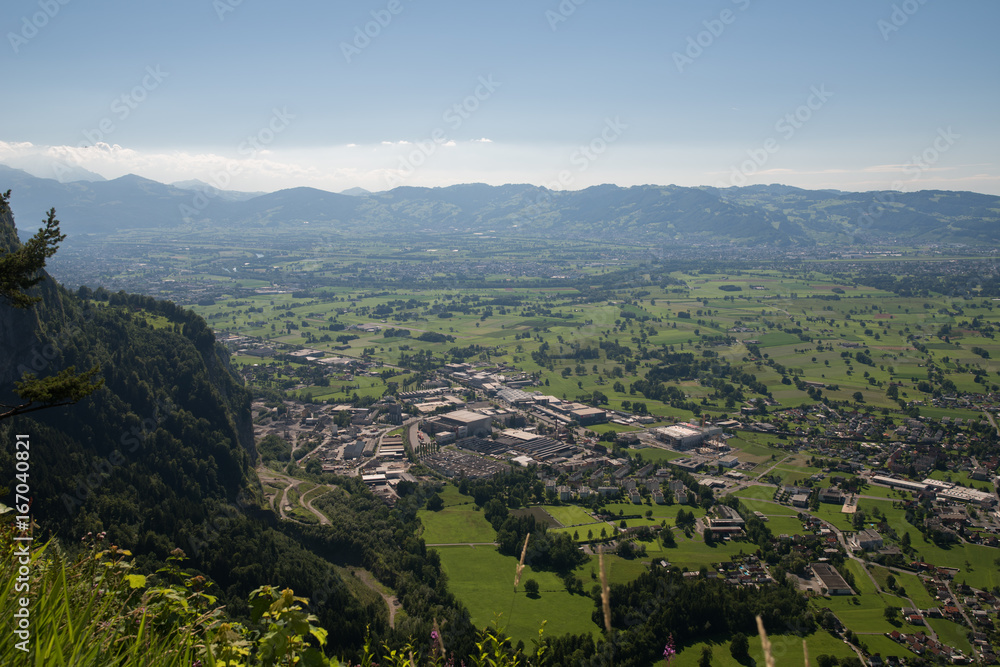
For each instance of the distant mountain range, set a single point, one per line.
(775, 215)
(212, 191)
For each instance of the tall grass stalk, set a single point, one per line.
(79, 614)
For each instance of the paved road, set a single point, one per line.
(961, 608)
(776, 464)
(412, 437)
(308, 505)
(992, 422)
(850, 553)
(267, 475)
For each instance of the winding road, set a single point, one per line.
(269, 476)
(272, 477)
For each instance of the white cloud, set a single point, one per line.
(377, 164)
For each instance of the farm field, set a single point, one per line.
(452, 498)
(484, 580)
(867, 615)
(977, 564)
(619, 570)
(832, 514)
(569, 515)
(756, 447)
(798, 326)
(784, 525)
(692, 553)
(673, 344)
(770, 508)
(586, 531)
(658, 512)
(884, 492)
(911, 583)
(757, 491)
(879, 643)
(787, 650)
(951, 633)
(455, 525)
(654, 454)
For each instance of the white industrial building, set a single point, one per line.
(685, 436)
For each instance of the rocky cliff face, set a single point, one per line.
(23, 330)
(60, 330)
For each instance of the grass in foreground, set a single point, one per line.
(92, 611)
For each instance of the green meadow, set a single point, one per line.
(786, 649)
(569, 515)
(783, 326)
(951, 633)
(911, 583)
(454, 525)
(484, 581)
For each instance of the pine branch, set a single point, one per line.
(20, 269)
(64, 388)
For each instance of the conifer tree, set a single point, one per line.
(20, 270)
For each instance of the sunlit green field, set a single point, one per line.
(569, 515)
(782, 327)
(450, 526)
(791, 320)
(786, 649)
(484, 581)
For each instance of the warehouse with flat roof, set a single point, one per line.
(467, 423)
(588, 416)
(831, 579)
(905, 484)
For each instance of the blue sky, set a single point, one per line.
(261, 95)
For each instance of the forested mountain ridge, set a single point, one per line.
(156, 379)
(753, 215)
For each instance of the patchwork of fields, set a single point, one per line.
(672, 343)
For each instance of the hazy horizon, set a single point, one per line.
(188, 184)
